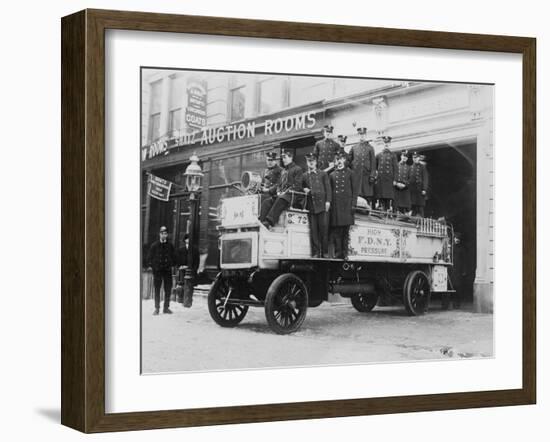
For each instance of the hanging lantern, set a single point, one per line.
(193, 174)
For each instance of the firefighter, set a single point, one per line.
(291, 181)
(362, 162)
(325, 150)
(319, 195)
(271, 176)
(386, 176)
(418, 185)
(402, 192)
(344, 199)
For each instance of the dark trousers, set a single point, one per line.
(160, 278)
(271, 210)
(417, 210)
(340, 236)
(318, 229)
(385, 203)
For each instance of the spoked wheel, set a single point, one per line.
(286, 304)
(222, 312)
(364, 302)
(416, 293)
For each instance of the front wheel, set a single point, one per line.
(416, 293)
(364, 302)
(221, 310)
(286, 304)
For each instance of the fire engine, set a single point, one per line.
(405, 257)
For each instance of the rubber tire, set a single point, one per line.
(359, 303)
(407, 288)
(213, 307)
(315, 302)
(271, 298)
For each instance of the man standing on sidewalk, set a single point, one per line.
(161, 258)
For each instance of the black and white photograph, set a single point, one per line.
(301, 221)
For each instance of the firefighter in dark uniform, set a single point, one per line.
(325, 150)
(418, 186)
(344, 198)
(271, 176)
(362, 162)
(319, 195)
(161, 258)
(291, 181)
(386, 176)
(342, 149)
(402, 191)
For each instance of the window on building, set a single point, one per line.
(154, 127)
(174, 122)
(154, 113)
(176, 103)
(272, 94)
(237, 101)
(177, 91)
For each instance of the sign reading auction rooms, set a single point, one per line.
(234, 132)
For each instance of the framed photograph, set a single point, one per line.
(268, 221)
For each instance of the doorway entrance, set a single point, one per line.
(452, 194)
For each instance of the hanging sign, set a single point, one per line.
(158, 188)
(195, 114)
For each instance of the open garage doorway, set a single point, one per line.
(452, 194)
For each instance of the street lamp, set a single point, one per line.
(193, 179)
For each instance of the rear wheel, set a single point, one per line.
(221, 310)
(286, 304)
(364, 302)
(416, 293)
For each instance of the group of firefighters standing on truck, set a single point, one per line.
(334, 179)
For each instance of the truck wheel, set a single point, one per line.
(226, 315)
(364, 302)
(315, 302)
(286, 304)
(416, 293)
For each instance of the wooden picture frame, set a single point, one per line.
(83, 219)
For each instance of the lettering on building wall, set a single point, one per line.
(232, 132)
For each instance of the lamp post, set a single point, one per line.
(193, 178)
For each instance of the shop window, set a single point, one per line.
(254, 162)
(225, 171)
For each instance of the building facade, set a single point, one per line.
(232, 119)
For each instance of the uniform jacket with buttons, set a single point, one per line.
(418, 183)
(403, 174)
(325, 150)
(272, 177)
(320, 190)
(386, 174)
(362, 162)
(344, 197)
(161, 256)
(403, 196)
(291, 179)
